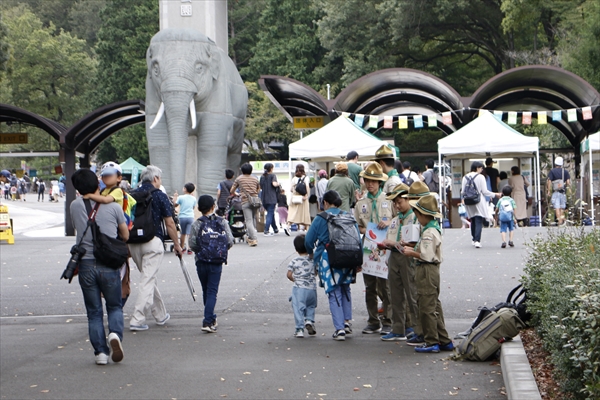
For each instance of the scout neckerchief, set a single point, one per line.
(401, 220)
(393, 172)
(431, 224)
(374, 204)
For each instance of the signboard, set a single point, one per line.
(311, 122)
(374, 258)
(134, 177)
(13, 138)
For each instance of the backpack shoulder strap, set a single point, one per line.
(510, 299)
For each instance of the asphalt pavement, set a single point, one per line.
(46, 353)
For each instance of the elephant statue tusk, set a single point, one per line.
(159, 115)
(193, 113)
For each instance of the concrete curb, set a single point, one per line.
(518, 377)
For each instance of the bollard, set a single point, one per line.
(6, 232)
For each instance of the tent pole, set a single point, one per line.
(591, 185)
(539, 183)
(440, 174)
(580, 195)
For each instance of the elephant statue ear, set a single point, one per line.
(214, 60)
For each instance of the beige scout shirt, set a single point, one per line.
(391, 183)
(364, 208)
(430, 246)
(395, 227)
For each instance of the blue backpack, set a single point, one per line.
(212, 240)
(506, 210)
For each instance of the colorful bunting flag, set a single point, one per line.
(512, 117)
(481, 112)
(498, 114)
(418, 121)
(542, 117)
(373, 121)
(572, 115)
(447, 118)
(388, 122)
(586, 112)
(403, 122)
(432, 120)
(526, 118)
(359, 119)
(556, 115)
(345, 114)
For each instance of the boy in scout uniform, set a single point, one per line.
(428, 256)
(377, 209)
(385, 157)
(401, 276)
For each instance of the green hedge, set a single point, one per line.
(562, 274)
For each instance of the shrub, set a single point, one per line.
(563, 279)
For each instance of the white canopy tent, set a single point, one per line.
(593, 143)
(486, 136)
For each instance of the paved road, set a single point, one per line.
(45, 352)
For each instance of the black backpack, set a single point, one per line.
(143, 229)
(212, 240)
(345, 247)
(470, 194)
(512, 301)
(434, 182)
(112, 252)
(301, 187)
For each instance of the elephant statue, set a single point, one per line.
(196, 106)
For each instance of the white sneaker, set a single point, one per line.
(299, 333)
(101, 359)
(116, 350)
(473, 243)
(477, 245)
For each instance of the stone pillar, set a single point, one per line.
(206, 16)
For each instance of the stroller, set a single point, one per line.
(235, 217)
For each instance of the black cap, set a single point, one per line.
(489, 161)
(352, 155)
(205, 202)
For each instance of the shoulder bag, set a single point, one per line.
(112, 252)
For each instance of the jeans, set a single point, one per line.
(340, 305)
(270, 220)
(210, 277)
(250, 220)
(304, 303)
(96, 279)
(476, 227)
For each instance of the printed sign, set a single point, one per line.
(374, 258)
(313, 122)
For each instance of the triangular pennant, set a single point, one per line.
(481, 112)
(345, 114)
(586, 112)
(526, 118)
(447, 118)
(572, 115)
(556, 115)
(418, 121)
(542, 117)
(388, 122)
(498, 114)
(373, 121)
(432, 120)
(512, 117)
(403, 122)
(359, 119)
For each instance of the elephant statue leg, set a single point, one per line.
(212, 151)
(236, 143)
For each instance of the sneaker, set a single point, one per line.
(409, 332)
(209, 328)
(339, 335)
(477, 245)
(416, 340)
(424, 348)
(164, 321)
(116, 350)
(190, 252)
(348, 328)
(472, 243)
(275, 233)
(287, 232)
(511, 244)
(252, 243)
(310, 328)
(503, 245)
(101, 359)
(371, 329)
(215, 324)
(385, 330)
(138, 327)
(299, 333)
(268, 234)
(447, 347)
(393, 337)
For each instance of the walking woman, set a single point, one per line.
(268, 195)
(249, 187)
(299, 212)
(518, 183)
(477, 212)
(336, 282)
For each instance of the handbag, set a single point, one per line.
(112, 252)
(255, 201)
(297, 199)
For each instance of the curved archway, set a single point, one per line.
(10, 113)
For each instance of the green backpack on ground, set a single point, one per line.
(485, 340)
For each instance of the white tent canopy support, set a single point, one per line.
(593, 144)
(486, 136)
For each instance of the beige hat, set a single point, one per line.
(341, 167)
(384, 152)
(427, 205)
(398, 190)
(417, 190)
(374, 173)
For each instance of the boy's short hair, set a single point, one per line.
(189, 187)
(506, 190)
(205, 203)
(229, 173)
(246, 169)
(85, 181)
(299, 244)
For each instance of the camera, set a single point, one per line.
(77, 253)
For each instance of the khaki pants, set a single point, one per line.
(148, 257)
(377, 287)
(402, 290)
(431, 315)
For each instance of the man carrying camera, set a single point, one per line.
(97, 280)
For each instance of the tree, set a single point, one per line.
(4, 48)
(242, 20)
(84, 19)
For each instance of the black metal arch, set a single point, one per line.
(293, 97)
(10, 113)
